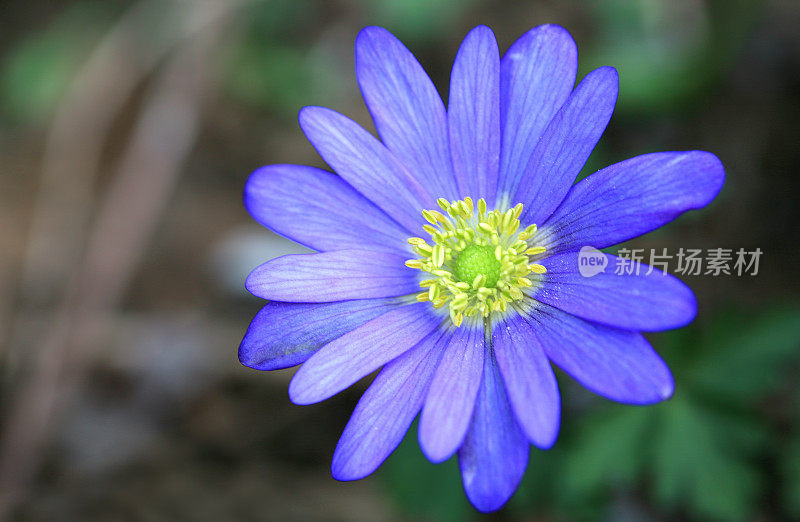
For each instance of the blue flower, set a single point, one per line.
(466, 322)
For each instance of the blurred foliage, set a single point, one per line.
(420, 489)
(417, 20)
(701, 453)
(37, 69)
(275, 65)
(269, 76)
(267, 64)
(666, 52)
(791, 472)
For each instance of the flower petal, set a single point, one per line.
(387, 409)
(537, 73)
(318, 209)
(529, 380)
(633, 301)
(631, 198)
(356, 354)
(407, 110)
(332, 276)
(286, 334)
(617, 364)
(474, 115)
(367, 165)
(566, 144)
(495, 453)
(448, 407)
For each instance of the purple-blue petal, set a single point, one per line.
(407, 110)
(367, 165)
(356, 354)
(617, 364)
(495, 452)
(633, 301)
(318, 209)
(566, 144)
(474, 115)
(630, 198)
(286, 334)
(448, 407)
(333, 276)
(537, 74)
(387, 409)
(530, 383)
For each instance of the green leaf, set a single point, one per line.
(693, 469)
(746, 355)
(791, 475)
(727, 490)
(608, 452)
(540, 482)
(421, 489)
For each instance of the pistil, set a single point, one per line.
(479, 260)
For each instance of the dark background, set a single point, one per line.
(128, 130)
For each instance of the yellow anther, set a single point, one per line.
(429, 229)
(528, 233)
(486, 228)
(423, 250)
(535, 251)
(459, 299)
(434, 216)
(415, 263)
(423, 297)
(469, 204)
(537, 269)
(437, 256)
(512, 227)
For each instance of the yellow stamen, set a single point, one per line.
(495, 269)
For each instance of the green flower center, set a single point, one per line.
(474, 261)
(479, 261)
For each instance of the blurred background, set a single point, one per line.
(127, 131)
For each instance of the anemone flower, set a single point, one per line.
(448, 255)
